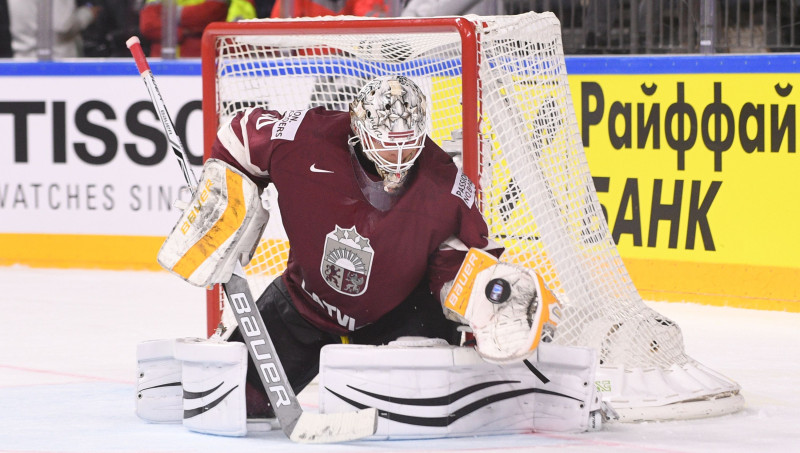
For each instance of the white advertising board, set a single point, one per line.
(82, 151)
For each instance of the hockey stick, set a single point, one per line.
(298, 425)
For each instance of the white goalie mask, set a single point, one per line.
(390, 120)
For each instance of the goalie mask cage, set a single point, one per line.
(499, 102)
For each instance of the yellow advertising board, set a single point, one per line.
(697, 176)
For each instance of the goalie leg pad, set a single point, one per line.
(435, 390)
(569, 371)
(159, 396)
(222, 224)
(214, 374)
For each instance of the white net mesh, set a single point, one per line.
(536, 191)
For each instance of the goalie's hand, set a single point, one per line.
(506, 312)
(506, 307)
(220, 226)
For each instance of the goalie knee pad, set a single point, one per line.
(159, 396)
(213, 375)
(435, 390)
(222, 224)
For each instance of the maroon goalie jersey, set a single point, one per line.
(350, 262)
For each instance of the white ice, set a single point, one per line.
(67, 369)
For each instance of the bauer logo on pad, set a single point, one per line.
(458, 297)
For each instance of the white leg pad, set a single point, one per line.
(445, 391)
(571, 371)
(159, 396)
(213, 386)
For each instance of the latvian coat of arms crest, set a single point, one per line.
(346, 261)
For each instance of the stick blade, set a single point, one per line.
(313, 428)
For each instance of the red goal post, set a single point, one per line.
(500, 103)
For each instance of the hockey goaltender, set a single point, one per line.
(389, 250)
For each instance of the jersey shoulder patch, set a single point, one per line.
(285, 127)
(464, 188)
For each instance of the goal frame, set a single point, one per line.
(534, 155)
(471, 91)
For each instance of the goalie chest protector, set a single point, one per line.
(433, 390)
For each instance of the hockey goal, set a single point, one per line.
(500, 104)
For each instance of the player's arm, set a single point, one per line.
(244, 142)
(191, 18)
(150, 21)
(225, 219)
(504, 304)
(195, 18)
(471, 231)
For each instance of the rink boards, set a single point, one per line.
(693, 159)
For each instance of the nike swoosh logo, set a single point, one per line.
(189, 413)
(318, 170)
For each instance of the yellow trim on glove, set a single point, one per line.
(458, 297)
(228, 223)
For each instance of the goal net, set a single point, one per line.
(500, 104)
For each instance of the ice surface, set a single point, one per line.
(67, 369)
